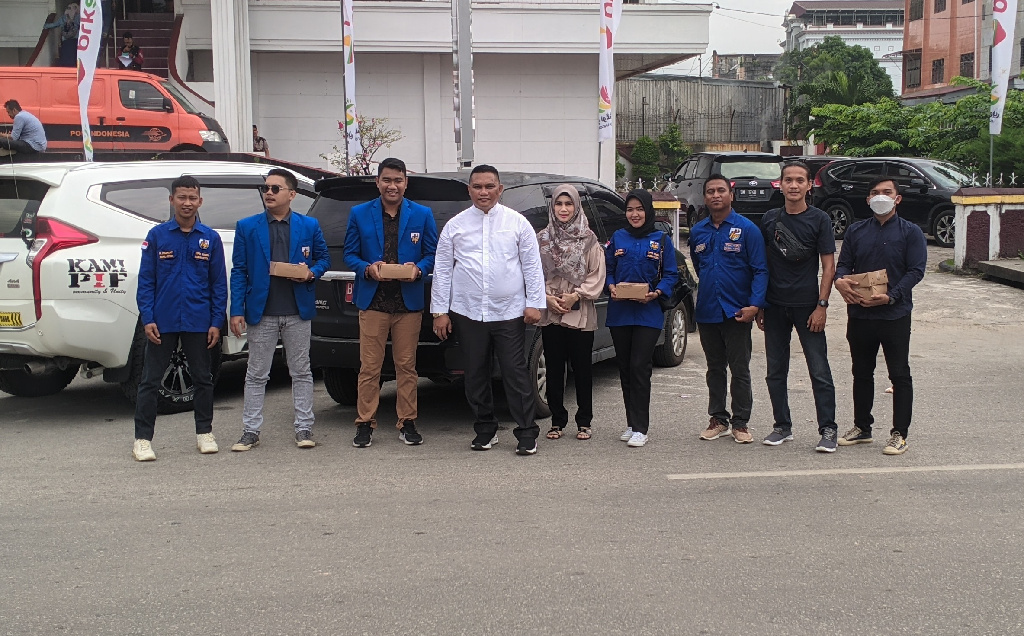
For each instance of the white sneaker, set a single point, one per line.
(142, 451)
(627, 435)
(206, 443)
(637, 440)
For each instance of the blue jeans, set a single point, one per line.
(778, 330)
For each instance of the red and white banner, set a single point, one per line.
(355, 147)
(611, 13)
(90, 32)
(1004, 14)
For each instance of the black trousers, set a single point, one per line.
(17, 145)
(562, 345)
(158, 356)
(634, 354)
(865, 336)
(727, 344)
(479, 342)
(779, 323)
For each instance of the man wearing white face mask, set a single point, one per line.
(898, 246)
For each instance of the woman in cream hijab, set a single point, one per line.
(574, 276)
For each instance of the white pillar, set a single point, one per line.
(232, 71)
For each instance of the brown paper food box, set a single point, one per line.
(870, 283)
(390, 271)
(288, 270)
(632, 290)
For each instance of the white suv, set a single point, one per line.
(70, 247)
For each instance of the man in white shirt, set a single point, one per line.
(489, 283)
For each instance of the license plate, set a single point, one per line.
(10, 318)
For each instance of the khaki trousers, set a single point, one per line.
(374, 327)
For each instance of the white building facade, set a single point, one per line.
(877, 25)
(278, 64)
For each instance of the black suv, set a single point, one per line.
(755, 178)
(841, 189)
(335, 341)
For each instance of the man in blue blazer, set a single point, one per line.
(389, 230)
(275, 307)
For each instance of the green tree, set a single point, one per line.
(620, 169)
(672, 148)
(831, 72)
(864, 130)
(645, 159)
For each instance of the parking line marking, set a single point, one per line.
(847, 471)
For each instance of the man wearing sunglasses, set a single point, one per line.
(271, 308)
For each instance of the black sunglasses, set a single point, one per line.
(274, 188)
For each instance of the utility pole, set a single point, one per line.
(462, 50)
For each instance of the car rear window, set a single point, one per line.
(751, 170)
(18, 197)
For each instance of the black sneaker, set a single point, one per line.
(855, 435)
(527, 447)
(248, 441)
(363, 432)
(304, 439)
(409, 434)
(778, 436)
(484, 442)
(828, 441)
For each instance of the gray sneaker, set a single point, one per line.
(248, 441)
(777, 436)
(304, 439)
(828, 441)
(855, 436)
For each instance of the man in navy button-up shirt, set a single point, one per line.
(898, 246)
(728, 254)
(182, 298)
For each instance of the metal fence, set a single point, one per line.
(709, 111)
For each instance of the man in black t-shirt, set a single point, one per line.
(797, 237)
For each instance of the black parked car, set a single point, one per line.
(335, 340)
(816, 162)
(755, 177)
(841, 189)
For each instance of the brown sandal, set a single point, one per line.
(584, 433)
(555, 433)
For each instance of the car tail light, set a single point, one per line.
(776, 184)
(817, 175)
(348, 292)
(51, 235)
(732, 184)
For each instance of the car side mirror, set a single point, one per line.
(677, 179)
(168, 105)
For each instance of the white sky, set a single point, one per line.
(733, 31)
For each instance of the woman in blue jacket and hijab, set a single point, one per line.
(638, 253)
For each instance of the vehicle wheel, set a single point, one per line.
(539, 373)
(691, 218)
(944, 228)
(842, 217)
(673, 350)
(342, 385)
(23, 384)
(177, 392)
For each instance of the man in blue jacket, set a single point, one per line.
(275, 307)
(729, 257)
(389, 230)
(182, 296)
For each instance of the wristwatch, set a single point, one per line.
(823, 303)
(438, 315)
(892, 300)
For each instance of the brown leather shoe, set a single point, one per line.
(716, 428)
(741, 435)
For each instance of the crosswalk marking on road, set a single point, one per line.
(847, 471)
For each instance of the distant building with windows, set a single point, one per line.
(947, 38)
(877, 25)
(744, 66)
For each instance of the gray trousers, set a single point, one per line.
(294, 333)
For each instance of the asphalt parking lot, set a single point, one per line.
(679, 537)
